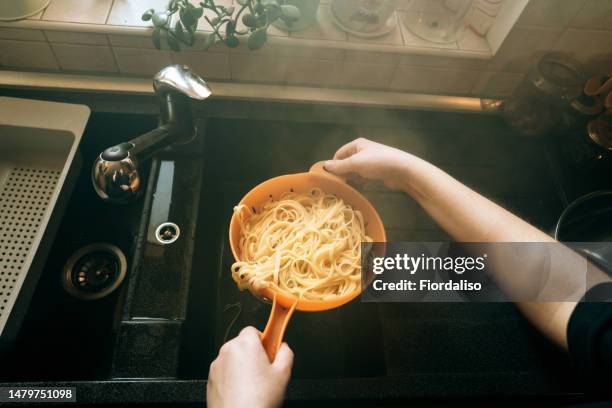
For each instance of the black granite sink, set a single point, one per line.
(65, 338)
(153, 340)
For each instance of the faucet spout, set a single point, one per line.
(115, 174)
(180, 79)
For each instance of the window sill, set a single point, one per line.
(323, 35)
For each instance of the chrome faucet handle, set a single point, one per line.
(180, 79)
(117, 181)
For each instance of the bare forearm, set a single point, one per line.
(469, 217)
(463, 213)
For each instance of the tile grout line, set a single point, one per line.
(112, 50)
(568, 26)
(110, 9)
(116, 60)
(52, 50)
(42, 16)
(388, 87)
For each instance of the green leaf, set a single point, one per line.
(274, 12)
(178, 30)
(146, 16)
(257, 39)
(209, 41)
(249, 21)
(192, 28)
(262, 20)
(242, 2)
(173, 43)
(160, 18)
(157, 37)
(230, 28)
(188, 17)
(290, 12)
(198, 12)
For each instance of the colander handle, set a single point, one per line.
(272, 336)
(319, 168)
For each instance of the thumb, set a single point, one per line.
(284, 358)
(340, 166)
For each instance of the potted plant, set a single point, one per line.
(256, 16)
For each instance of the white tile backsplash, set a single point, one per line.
(307, 71)
(550, 13)
(21, 34)
(322, 55)
(496, 84)
(72, 37)
(27, 54)
(433, 80)
(140, 61)
(523, 47)
(592, 48)
(258, 68)
(94, 58)
(210, 65)
(595, 15)
(359, 75)
(373, 57)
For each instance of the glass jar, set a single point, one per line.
(439, 21)
(364, 18)
(543, 98)
(308, 15)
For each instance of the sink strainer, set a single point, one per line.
(24, 198)
(94, 271)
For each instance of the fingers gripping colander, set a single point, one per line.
(284, 305)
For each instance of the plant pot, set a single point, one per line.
(18, 9)
(308, 15)
(364, 18)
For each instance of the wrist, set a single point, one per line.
(406, 177)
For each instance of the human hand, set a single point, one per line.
(242, 375)
(370, 160)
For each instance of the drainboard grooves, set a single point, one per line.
(24, 198)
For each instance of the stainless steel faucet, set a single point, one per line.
(115, 173)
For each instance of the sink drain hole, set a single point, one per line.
(167, 233)
(94, 271)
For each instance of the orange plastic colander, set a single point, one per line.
(283, 305)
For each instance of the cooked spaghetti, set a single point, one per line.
(305, 245)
